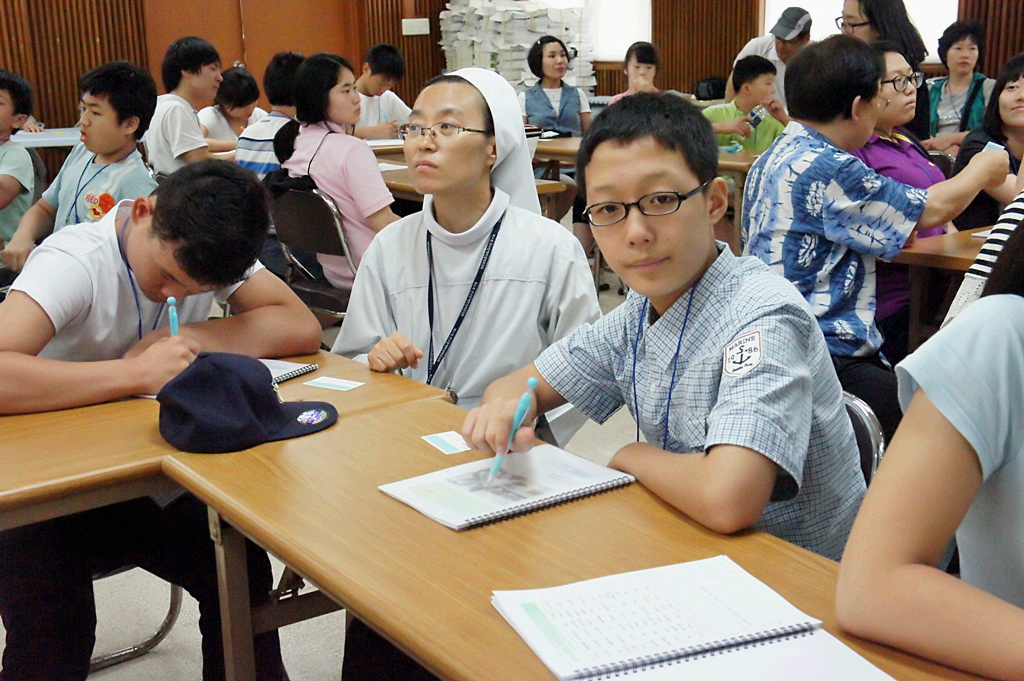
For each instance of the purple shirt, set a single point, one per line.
(899, 159)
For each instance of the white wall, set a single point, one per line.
(930, 16)
(617, 24)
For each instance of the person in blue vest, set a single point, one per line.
(551, 104)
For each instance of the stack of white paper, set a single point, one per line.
(497, 34)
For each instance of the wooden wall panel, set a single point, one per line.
(1004, 29)
(17, 53)
(700, 38)
(218, 21)
(381, 22)
(611, 79)
(305, 26)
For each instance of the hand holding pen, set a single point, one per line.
(517, 422)
(172, 314)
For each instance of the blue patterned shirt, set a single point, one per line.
(818, 216)
(752, 371)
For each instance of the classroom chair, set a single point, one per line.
(308, 220)
(131, 652)
(868, 431)
(943, 162)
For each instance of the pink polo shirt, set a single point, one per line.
(346, 169)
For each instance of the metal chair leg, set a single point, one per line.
(139, 649)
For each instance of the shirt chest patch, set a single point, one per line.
(99, 205)
(743, 354)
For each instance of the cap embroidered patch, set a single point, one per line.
(312, 417)
(743, 354)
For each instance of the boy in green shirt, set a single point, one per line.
(754, 82)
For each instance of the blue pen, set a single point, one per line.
(172, 314)
(517, 422)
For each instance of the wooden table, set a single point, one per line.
(400, 183)
(53, 137)
(952, 252)
(314, 503)
(58, 463)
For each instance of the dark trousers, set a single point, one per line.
(46, 595)
(870, 379)
(369, 657)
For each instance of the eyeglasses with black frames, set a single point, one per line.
(658, 203)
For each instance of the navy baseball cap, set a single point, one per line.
(224, 402)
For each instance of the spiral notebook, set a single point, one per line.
(282, 370)
(708, 619)
(460, 497)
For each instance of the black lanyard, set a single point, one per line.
(432, 366)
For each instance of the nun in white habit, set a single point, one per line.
(414, 306)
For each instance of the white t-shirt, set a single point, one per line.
(377, 110)
(82, 283)
(173, 131)
(218, 126)
(764, 46)
(555, 97)
(972, 371)
(537, 287)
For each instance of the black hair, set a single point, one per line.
(312, 85)
(823, 79)
(447, 78)
(19, 90)
(237, 89)
(279, 77)
(386, 60)
(186, 54)
(535, 57)
(750, 68)
(216, 214)
(1007, 275)
(673, 123)
(130, 90)
(956, 32)
(284, 140)
(890, 19)
(992, 123)
(644, 53)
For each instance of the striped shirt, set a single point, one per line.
(977, 274)
(255, 149)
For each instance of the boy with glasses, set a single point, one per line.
(719, 360)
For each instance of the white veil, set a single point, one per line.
(513, 171)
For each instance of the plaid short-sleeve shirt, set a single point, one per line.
(752, 370)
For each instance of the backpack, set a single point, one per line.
(710, 88)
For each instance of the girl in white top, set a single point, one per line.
(956, 464)
(234, 109)
(478, 282)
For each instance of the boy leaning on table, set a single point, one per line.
(717, 357)
(86, 322)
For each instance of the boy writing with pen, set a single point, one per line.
(719, 359)
(89, 320)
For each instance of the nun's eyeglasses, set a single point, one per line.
(415, 130)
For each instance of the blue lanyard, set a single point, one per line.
(432, 366)
(675, 364)
(79, 188)
(131, 280)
